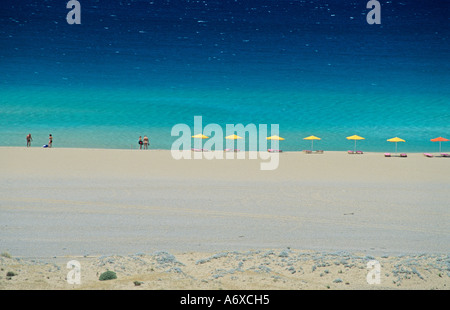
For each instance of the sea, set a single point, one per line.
(138, 68)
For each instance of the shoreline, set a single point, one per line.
(168, 150)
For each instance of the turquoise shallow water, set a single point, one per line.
(116, 118)
(135, 69)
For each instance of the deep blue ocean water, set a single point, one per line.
(135, 68)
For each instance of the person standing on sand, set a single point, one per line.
(29, 139)
(146, 142)
(50, 140)
(140, 142)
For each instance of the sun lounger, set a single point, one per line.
(445, 155)
(307, 151)
(359, 152)
(403, 155)
(199, 150)
(274, 151)
(319, 152)
(232, 150)
(427, 154)
(351, 152)
(387, 154)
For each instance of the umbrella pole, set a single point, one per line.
(355, 146)
(440, 147)
(312, 145)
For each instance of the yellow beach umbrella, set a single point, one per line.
(355, 137)
(396, 139)
(200, 136)
(233, 137)
(274, 138)
(312, 138)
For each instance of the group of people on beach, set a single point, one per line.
(50, 140)
(143, 143)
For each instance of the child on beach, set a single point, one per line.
(50, 140)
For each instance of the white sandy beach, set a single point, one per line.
(92, 204)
